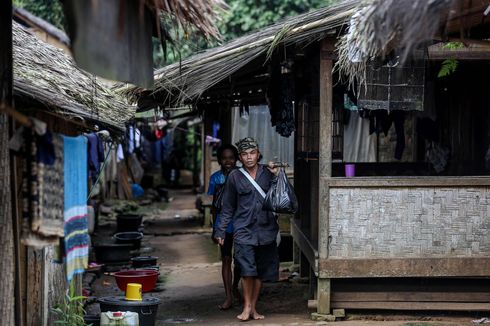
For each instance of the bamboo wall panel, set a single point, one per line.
(409, 222)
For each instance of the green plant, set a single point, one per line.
(70, 311)
(449, 66)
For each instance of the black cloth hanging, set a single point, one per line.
(280, 96)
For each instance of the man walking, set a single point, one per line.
(255, 229)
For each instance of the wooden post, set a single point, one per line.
(325, 168)
(7, 268)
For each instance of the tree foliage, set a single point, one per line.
(243, 16)
(49, 10)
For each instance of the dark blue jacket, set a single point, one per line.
(242, 204)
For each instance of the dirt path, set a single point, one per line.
(189, 265)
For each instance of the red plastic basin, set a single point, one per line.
(146, 277)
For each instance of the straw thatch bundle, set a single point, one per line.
(44, 74)
(381, 25)
(202, 14)
(186, 81)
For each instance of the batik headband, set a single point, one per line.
(246, 143)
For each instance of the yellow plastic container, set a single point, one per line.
(133, 292)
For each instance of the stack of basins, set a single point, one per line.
(127, 238)
(143, 275)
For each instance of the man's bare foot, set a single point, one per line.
(257, 316)
(226, 305)
(245, 315)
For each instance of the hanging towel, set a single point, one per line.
(75, 214)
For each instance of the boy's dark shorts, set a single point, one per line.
(227, 245)
(258, 261)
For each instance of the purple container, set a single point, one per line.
(350, 170)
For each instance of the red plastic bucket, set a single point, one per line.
(146, 277)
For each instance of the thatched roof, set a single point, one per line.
(44, 74)
(202, 14)
(186, 81)
(382, 25)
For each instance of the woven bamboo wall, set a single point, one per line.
(409, 222)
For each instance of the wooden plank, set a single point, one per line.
(386, 305)
(411, 296)
(381, 182)
(405, 267)
(35, 284)
(459, 54)
(304, 245)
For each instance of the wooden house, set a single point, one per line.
(410, 230)
(50, 87)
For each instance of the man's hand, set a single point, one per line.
(273, 168)
(221, 241)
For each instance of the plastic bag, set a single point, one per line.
(281, 198)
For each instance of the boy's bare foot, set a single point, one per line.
(226, 305)
(237, 295)
(257, 316)
(245, 315)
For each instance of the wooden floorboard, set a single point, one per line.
(389, 305)
(483, 297)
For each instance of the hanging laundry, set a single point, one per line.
(131, 139)
(280, 97)
(95, 154)
(75, 206)
(42, 190)
(120, 153)
(137, 138)
(399, 121)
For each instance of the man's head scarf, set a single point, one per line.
(246, 143)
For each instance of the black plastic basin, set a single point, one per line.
(132, 238)
(144, 261)
(128, 222)
(112, 252)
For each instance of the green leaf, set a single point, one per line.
(448, 67)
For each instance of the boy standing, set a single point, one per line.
(227, 158)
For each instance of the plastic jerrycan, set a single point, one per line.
(119, 318)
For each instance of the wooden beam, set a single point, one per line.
(405, 267)
(304, 245)
(459, 55)
(431, 181)
(387, 305)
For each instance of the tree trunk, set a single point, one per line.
(7, 259)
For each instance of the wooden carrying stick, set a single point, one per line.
(19, 117)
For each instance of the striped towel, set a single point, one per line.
(75, 207)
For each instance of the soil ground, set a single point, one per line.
(192, 289)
